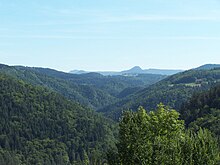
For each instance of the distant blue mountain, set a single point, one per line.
(133, 71)
(78, 71)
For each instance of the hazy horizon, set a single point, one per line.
(110, 35)
(123, 69)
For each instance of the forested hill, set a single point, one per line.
(84, 94)
(208, 66)
(172, 91)
(110, 84)
(93, 90)
(39, 126)
(203, 110)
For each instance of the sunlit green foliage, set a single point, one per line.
(159, 137)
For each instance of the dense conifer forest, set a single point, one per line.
(109, 82)
(51, 117)
(92, 89)
(203, 110)
(39, 126)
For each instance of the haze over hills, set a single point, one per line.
(133, 71)
(172, 91)
(43, 107)
(109, 82)
(91, 89)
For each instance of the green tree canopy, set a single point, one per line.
(159, 137)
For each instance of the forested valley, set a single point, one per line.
(51, 117)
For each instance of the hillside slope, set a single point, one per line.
(172, 91)
(203, 110)
(93, 90)
(110, 84)
(85, 94)
(38, 126)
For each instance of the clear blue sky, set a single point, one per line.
(109, 34)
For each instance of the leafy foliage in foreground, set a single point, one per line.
(38, 126)
(160, 138)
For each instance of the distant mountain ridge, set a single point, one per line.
(135, 70)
